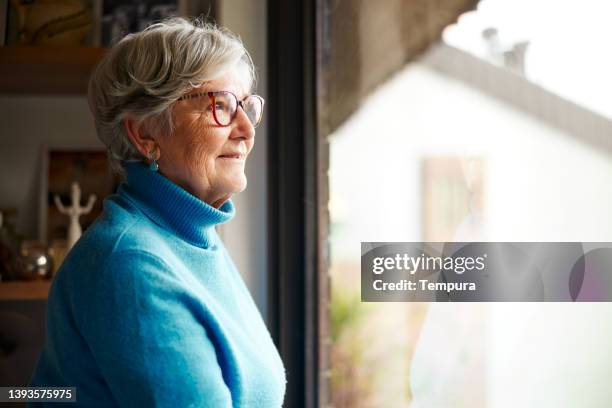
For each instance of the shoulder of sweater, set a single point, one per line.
(121, 236)
(124, 227)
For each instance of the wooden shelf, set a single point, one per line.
(24, 290)
(47, 70)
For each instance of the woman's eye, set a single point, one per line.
(220, 106)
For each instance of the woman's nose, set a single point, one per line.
(243, 124)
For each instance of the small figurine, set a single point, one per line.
(74, 212)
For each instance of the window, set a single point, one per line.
(453, 148)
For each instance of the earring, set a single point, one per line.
(153, 166)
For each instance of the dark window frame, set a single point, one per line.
(297, 163)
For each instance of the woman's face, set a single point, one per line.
(202, 157)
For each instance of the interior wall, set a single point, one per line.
(246, 235)
(27, 125)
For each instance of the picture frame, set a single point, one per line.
(117, 18)
(60, 167)
(53, 23)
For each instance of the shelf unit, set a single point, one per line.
(24, 290)
(47, 70)
(43, 71)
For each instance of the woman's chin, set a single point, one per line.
(243, 186)
(237, 184)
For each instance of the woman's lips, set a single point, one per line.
(232, 157)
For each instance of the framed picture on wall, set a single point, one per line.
(118, 18)
(61, 168)
(55, 23)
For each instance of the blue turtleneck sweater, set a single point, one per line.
(149, 310)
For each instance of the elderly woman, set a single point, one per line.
(148, 308)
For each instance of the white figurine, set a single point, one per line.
(74, 212)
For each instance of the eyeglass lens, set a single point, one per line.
(225, 106)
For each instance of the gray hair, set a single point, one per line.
(145, 73)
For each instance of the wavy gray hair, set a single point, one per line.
(145, 73)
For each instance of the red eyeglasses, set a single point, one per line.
(223, 106)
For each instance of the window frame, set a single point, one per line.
(298, 234)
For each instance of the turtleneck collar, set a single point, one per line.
(174, 208)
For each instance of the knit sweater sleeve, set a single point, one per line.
(144, 330)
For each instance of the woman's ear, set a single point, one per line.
(139, 137)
